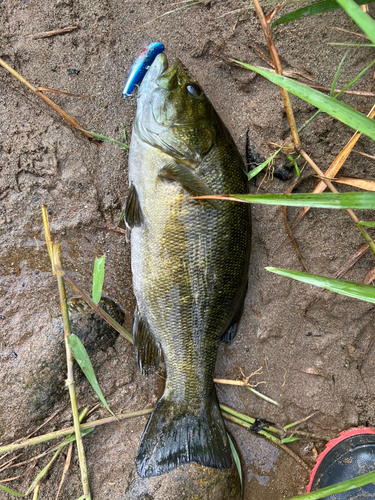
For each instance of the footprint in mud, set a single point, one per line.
(46, 384)
(187, 482)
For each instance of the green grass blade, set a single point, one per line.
(237, 461)
(104, 138)
(363, 20)
(98, 279)
(349, 288)
(82, 358)
(338, 488)
(333, 107)
(312, 10)
(11, 492)
(123, 132)
(366, 223)
(333, 86)
(263, 165)
(290, 439)
(357, 77)
(318, 200)
(352, 44)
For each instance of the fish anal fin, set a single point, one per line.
(147, 350)
(174, 435)
(189, 180)
(231, 331)
(133, 211)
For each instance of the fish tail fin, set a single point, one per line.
(176, 434)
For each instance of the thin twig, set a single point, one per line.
(361, 35)
(363, 154)
(66, 468)
(361, 252)
(63, 92)
(47, 100)
(329, 184)
(47, 34)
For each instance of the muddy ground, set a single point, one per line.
(314, 346)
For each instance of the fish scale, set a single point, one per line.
(189, 263)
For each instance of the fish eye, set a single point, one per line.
(194, 89)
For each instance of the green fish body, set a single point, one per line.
(189, 263)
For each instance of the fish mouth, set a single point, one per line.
(157, 68)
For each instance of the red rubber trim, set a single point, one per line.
(331, 444)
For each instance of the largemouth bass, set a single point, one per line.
(189, 263)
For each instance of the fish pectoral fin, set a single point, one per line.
(231, 331)
(133, 211)
(147, 350)
(190, 181)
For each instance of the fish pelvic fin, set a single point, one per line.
(133, 211)
(147, 350)
(231, 331)
(177, 434)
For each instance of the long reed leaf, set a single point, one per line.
(319, 200)
(313, 9)
(82, 358)
(363, 20)
(333, 107)
(348, 288)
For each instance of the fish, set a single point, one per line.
(189, 261)
(140, 67)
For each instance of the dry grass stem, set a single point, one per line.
(337, 91)
(361, 35)
(8, 480)
(335, 166)
(278, 69)
(361, 252)
(111, 227)
(70, 430)
(63, 92)
(66, 468)
(370, 277)
(363, 154)
(329, 184)
(47, 34)
(366, 184)
(48, 101)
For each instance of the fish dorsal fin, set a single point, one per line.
(189, 180)
(133, 211)
(147, 350)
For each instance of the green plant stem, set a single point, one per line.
(35, 484)
(330, 186)
(272, 438)
(246, 418)
(71, 385)
(54, 252)
(36, 493)
(69, 430)
(260, 395)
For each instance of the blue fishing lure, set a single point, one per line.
(140, 67)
